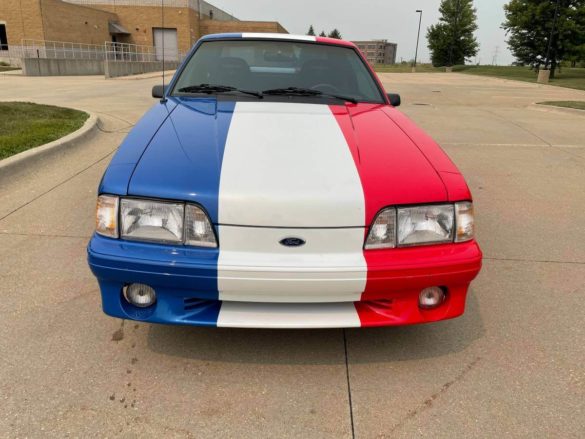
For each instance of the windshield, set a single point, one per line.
(264, 65)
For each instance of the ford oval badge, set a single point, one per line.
(293, 242)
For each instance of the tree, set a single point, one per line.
(529, 24)
(322, 34)
(335, 34)
(311, 31)
(452, 39)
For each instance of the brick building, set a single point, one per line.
(378, 51)
(124, 21)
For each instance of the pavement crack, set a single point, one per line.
(58, 185)
(540, 261)
(348, 385)
(119, 130)
(530, 145)
(42, 235)
(428, 403)
(127, 122)
(517, 125)
(545, 142)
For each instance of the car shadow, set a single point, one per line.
(324, 346)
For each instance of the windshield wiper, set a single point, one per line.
(298, 91)
(211, 89)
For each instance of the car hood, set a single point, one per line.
(277, 164)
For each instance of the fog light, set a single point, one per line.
(140, 295)
(431, 297)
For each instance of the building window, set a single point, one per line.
(3, 37)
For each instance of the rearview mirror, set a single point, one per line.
(158, 91)
(394, 99)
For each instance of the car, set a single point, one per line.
(276, 185)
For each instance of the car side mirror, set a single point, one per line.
(158, 91)
(394, 99)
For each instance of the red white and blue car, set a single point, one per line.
(275, 185)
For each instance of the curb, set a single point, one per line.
(555, 109)
(16, 163)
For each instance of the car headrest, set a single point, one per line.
(334, 72)
(232, 71)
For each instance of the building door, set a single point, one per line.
(169, 37)
(3, 37)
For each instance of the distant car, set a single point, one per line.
(276, 186)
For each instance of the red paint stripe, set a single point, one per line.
(335, 41)
(344, 120)
(392, 172)
(403, 309)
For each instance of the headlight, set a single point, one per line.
(145, 220)
(154, 221)
(106, 218)
(198, 228)
(425, 224)
(420, 225)
(383, 231)
(465, 221)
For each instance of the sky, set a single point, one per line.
(394, 20)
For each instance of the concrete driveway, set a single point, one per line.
(512, 366)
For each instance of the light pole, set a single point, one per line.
(420, 12)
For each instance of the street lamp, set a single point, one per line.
(418, 11)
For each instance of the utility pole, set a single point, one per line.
(420, 12)
(495, 58)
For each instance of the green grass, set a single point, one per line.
(407, 68)
(7, 68)
(24, 125)
(567, 77)
(578, 105)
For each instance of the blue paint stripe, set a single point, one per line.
(184, 159)
(221, 36)
(171, 309)
(225, 112)
(184, 162)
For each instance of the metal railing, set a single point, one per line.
(138, 53)
(109, 51)
(61, 50)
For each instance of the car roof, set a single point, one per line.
(276, 36)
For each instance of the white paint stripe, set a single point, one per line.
(288, 165)
(283, 316)
(330, 267)
(279, 36)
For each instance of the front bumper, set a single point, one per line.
(186, 283)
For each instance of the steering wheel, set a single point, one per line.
(326, 88)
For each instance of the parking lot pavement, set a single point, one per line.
(511, 366)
